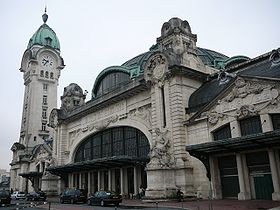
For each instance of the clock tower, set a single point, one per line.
(41, 65)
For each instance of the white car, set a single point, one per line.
(18, 195)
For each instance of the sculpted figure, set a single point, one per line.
(160, 154)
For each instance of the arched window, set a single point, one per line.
(111, 81)
(51, 75)
(120, 141)
(47, 74)
(41, 73)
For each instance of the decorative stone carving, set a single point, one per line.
(53, 119)
(144, 113)
(246, 110)
(275, 57)
(160, 153)
(105, 123)
(72, 98)
(156, 68)
(100, 125)
(246, 98)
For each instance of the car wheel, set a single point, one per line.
(102, 203)
(61, 200)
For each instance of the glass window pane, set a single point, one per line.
(118, 141)
(106, 144)
(251, 125)
(222, 133)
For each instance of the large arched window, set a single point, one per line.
(114, 142)
(111, 81)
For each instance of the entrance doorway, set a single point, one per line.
(260, 175)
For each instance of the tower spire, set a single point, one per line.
(45, 16)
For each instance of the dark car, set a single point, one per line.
(36, 196)
(105, 198)
(73, 196)
(5, 197)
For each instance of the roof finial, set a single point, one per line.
(45, 16)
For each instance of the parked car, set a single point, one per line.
(18, 195)
(73, 196)
(105, 198)
(5, 197)
(36, 196)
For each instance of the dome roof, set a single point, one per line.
(209, 56)
(44, 36)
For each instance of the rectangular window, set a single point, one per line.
(44, 113)
(45, 100)
(250, 125)
(118, 141)
(44, 126)
(130, 146)
(222, 133)
(87, 151)
(96, 147)
(276, 121)
(106, 144)
(45, 87)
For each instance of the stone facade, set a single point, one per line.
(41, 66)
(134, 131)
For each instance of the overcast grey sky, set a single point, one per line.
(96, 34)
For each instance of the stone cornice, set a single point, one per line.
(130, 89)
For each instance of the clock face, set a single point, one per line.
(47, 61)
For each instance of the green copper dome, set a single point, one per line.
(44, 36)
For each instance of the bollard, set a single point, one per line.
(116, 207)
(49, 205)
(157, 205)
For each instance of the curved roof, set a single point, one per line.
(44, 36)
(208, 57)
(135, 66)
(207, 92)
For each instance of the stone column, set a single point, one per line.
(266, 123)
(122, 181)
(99, 179)
(246, 175)
(243, 195)
(80, 180)
(69, 180)
(109, 179)
(89, 183)
(135, 181)
(215, 178)
(275, 176)
(235, 129)
(113, 174)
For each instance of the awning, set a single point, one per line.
(250, 142)
(100, 163)
(31, 174)
(245, 143)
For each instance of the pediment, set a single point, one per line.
(245, 97)
(42, 151)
